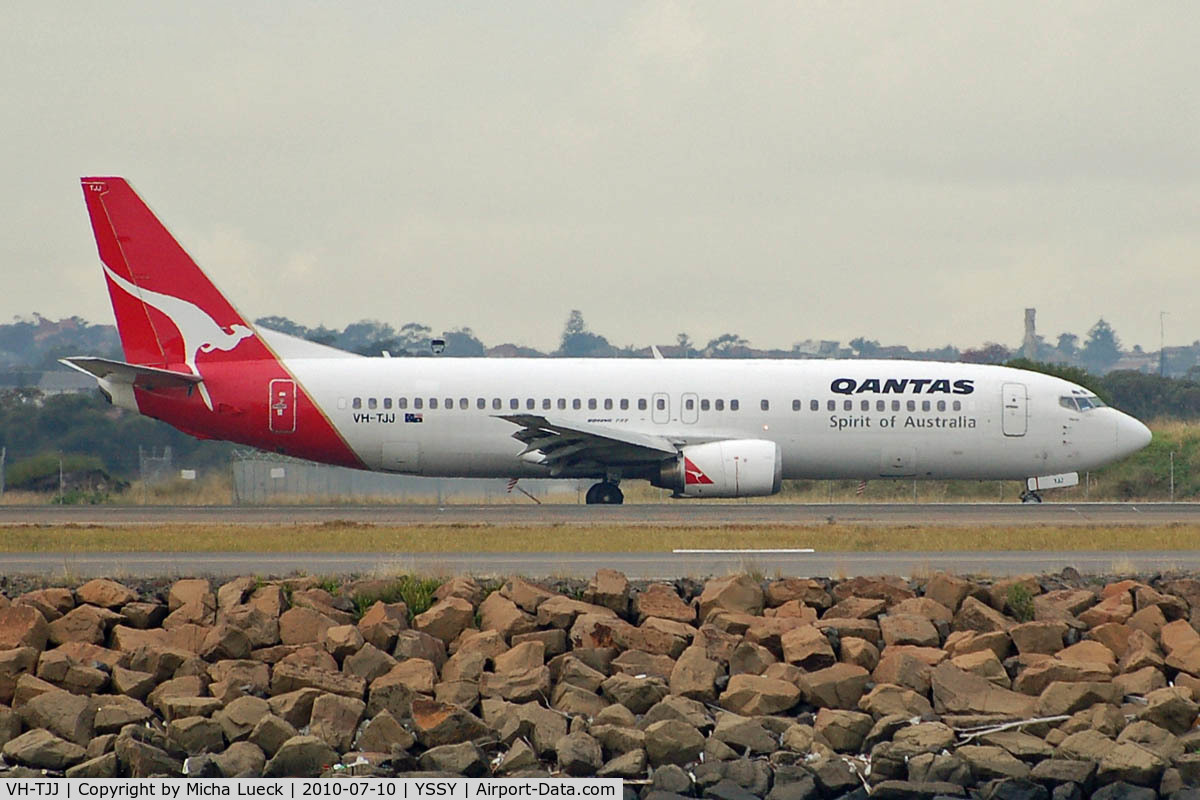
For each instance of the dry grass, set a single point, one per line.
(401, 540)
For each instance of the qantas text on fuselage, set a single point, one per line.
(701, 428)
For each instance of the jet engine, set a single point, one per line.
(734, 468)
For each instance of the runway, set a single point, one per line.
(683, 513)
(666, 566)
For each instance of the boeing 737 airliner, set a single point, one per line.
(701, 428)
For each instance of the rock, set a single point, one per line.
(238, 718)
(610, 589)
(844, 731)
(694, 675)
(856, 608)
(627, 765)
(980, 618)
(579, 755)
(746, 733)
(636, 694)
(14, 663)
(437, 723)
(381, 733)
(674, 707)
(290, 677)
(1067, 698)
(839, 686)
(301, 757)
(672, 742)
(42, 749)
(303, 626)
(66, 715)
(335, 719)
(529, 655)
(753, 694)
(925, 737)
(1086, 745)
(270, 733)
(807, 648)
(102, 766)
(195, 735)
(554, 641)
(381, 623)
(295, 707)
(984, 664)
(660, 600)
(463, 759)
(750, 659)
(105, 593)
(1038, 636)
(989, 762)
(860, 653)
(1171, 708)
(144, 615)
(114, 712)
(460, 586)
(499, 613)
(446, 619)
(737, 593)
(519, 687)
(957, 692)
(1036, 677)
(886, 699)
(22, 626)
(241, 758)
(1130, 762)
(901, 629)
(948, 590)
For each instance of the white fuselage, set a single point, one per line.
(830, 419)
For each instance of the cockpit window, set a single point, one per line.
(1080, 402)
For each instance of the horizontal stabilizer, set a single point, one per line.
(134, 374)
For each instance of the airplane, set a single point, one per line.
(701, 428)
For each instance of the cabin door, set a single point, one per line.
(1015, 416)
(282, 406)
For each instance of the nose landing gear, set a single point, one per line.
(605, 493)
(1030, 497)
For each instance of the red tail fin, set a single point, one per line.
(167, 309)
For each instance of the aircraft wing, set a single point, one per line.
(564, 445)
(137, 375)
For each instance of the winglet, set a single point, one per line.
(654, 351)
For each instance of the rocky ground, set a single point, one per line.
(1031, 687)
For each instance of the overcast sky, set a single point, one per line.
(916, 173)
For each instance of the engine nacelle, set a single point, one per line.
(735, 468)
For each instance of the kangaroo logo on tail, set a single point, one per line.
(200, 332)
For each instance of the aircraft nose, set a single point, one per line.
(1132, 435)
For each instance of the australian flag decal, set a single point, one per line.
(413, 418)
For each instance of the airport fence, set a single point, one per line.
(264, 478)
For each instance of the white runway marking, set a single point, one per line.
(755, 552)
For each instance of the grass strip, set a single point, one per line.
(348, 537)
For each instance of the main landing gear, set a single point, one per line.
(605, 493)
(1030, 497)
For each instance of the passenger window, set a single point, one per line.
(865, 405)
(814, 405)
(624, 403)
(418, 403)
(545, 403)
(464, 403)
(449, 404)
(765, 405)
(895, 405)
(689, 404)
(591, 404)
(847, 405)
(562, 404)
(641, 404)
(576, 404)
(941, 405)
(433, 402)
(925, 405)
(795, 405)
(958, 405)
(660, 404)
(704, 405)
(357, 402)
(530, 404)
(496, 404)
(514, 403)
(608, 404)
(733, 405)
(402, 402)
(371, 403)
(342, 403)
(881, 405)
(719, 405)
(911, 405)
(387, 402)
(831, 405)
(481, 402)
